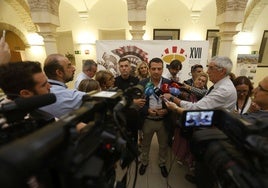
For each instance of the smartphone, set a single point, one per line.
(164, 99)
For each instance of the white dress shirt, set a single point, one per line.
(223, 95)
(81, 76)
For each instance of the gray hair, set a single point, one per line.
(88, 64)
(223, 62)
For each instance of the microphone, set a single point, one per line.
(158, 91)
(28, 104)
(149, 89)
(174, 91)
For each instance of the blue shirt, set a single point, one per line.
(67, 99)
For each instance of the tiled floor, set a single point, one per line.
(153, 178)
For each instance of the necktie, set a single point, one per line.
(212, 87)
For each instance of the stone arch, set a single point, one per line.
(254, 9)
(22, 9)
(9, 27)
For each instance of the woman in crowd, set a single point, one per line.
(88, 85)
(197, 90)
(142, 70)
(244, 89)
(105, 79)
(181, 145)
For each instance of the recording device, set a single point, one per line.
(199, 118)
(16, 110)
(69, 158)
(231, 153)
(23, 117)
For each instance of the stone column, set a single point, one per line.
(137, 30)
(137, 18)
(226, 34)
(45, 15)
(48, 32)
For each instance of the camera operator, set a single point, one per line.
(23, 79)
(26, 79)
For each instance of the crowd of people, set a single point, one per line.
(156, 111)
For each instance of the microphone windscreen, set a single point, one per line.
(174, 91)
(165, 88)
(149, 91)
(149, 85)
(158, 91)
(175, 85)
(34, 102)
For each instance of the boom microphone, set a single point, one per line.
(28, 104)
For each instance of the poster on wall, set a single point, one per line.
(188, 52)
(247, 65)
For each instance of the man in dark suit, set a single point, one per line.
(155, 116)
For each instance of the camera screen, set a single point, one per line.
(198, 118)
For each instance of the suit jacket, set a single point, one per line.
(143, 82)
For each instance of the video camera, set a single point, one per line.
(229, 151)
(72, 159)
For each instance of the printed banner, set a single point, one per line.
(247, 65)
(188, 52)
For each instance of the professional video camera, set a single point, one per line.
(229, 151)
(58, 156)
(22, 116)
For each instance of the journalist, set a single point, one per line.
(60, 71)
(221, 95)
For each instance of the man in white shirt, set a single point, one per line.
(223, 94)
(88, 72)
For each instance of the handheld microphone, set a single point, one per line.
(28, 104)
(158, 91)
(174, 91)
(149, 89)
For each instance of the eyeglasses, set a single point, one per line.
(261, 88)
